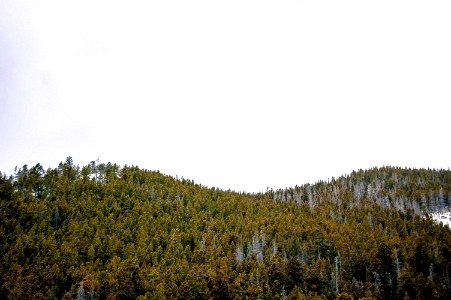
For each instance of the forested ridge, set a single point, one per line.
(104, 231)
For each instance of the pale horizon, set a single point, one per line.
(241, 95)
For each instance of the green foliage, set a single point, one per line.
(109, 232)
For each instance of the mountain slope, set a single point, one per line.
(104, 231)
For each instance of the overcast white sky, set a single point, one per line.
(235, 94)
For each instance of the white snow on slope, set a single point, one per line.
(444, 218)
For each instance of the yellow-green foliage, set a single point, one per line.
(109, 232)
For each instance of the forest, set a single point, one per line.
(103, 231)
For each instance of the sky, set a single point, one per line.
(235, 94)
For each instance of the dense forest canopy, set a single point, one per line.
(102, 231)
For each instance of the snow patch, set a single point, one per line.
(444, 218)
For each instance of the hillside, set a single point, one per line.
(103, 231)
